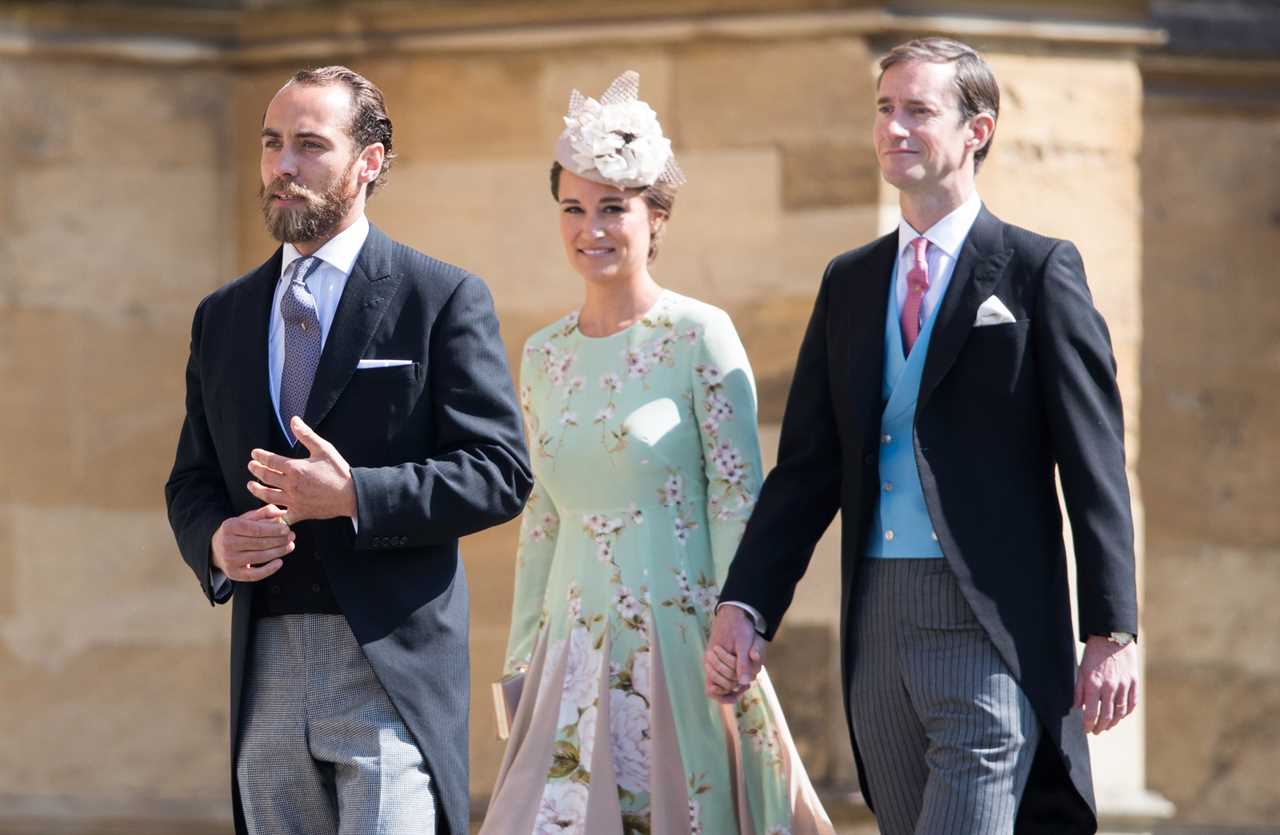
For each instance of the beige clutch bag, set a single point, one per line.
(506, 697)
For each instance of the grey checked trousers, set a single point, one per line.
(322, 749)
(945, 732)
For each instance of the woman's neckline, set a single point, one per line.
(577, 319)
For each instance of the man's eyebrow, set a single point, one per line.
(302, 134)
(916, 100)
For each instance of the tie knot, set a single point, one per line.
(920, 245)
(302, 269)
(297, 304)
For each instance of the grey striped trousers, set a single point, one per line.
(946, 735)
(322, 749)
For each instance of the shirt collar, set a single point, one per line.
(947, 234)
(340, 251)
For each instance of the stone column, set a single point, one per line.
(1064, 164)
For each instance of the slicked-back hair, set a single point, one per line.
(976, 85)
(369, 120)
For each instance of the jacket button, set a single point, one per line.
(275, 589)
(315, 587)
(404, 540)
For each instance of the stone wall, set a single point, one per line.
(1210, 376)
(115, 218)
(98, 618)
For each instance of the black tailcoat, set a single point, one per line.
(999, 407)
(436, 449)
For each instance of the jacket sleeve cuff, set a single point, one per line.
(757, 619)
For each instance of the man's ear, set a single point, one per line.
(371, 159)
(981, 128)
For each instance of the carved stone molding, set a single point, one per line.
(256, 33)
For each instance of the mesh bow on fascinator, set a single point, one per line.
(617, 140)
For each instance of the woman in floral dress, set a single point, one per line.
(641, 416)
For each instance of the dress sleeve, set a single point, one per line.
(539, 526)
(724, 400)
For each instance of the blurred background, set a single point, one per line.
(1146, 131)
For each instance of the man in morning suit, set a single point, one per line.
(350, 415)
(947, 369)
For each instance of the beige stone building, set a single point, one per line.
(1147, 132)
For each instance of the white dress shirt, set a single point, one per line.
(326, 283)
(945, 237)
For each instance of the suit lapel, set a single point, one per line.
(982, 260)
(867, 324)
(253, 314)
(364, 301)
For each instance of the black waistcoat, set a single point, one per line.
(300, 586)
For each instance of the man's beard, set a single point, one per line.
(316, 220)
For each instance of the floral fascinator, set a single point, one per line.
(617, 140)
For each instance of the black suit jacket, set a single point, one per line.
(436, 450)
(999, 407)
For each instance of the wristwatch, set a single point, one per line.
(1121, 638)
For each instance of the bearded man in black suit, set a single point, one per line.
(349, 416)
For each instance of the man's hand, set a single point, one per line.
(251, 546)
(1107, 683)
(318, 487)
(735, 654)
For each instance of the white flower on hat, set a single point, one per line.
(618, 139)
(622, 141)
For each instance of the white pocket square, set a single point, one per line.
(993, 312)
(363, 364)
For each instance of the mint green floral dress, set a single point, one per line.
(647, 466)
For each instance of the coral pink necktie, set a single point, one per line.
(917, 285)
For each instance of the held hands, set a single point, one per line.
(734, 656)
(318, 487)
(1107, 683)
(249, 547)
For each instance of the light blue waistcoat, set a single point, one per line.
(900, 526)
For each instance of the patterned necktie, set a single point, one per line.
(301, 343)
(917, 286)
